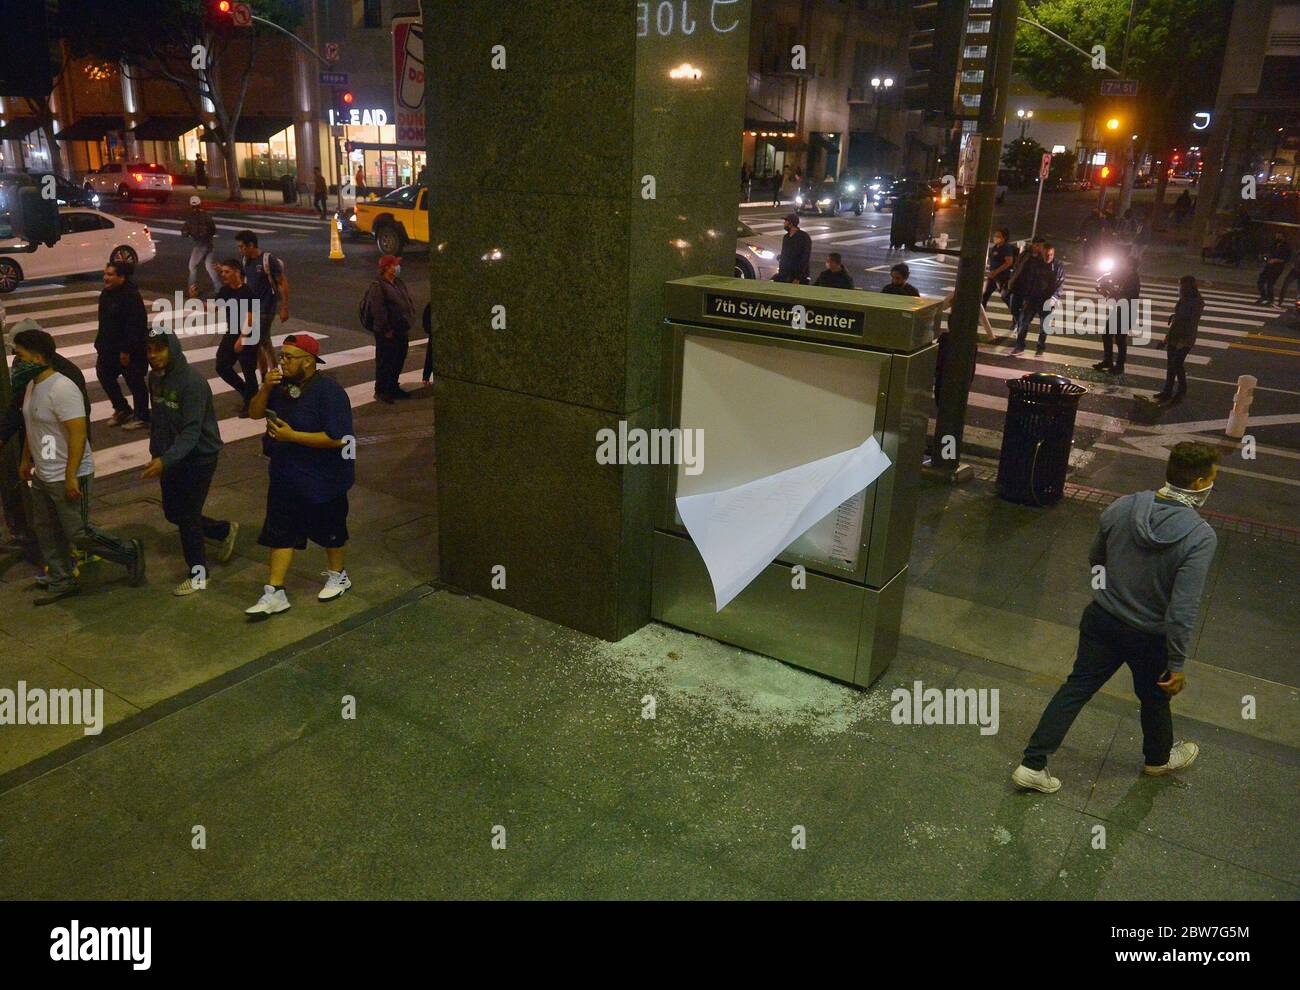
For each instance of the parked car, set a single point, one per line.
(752, 259)
(130, 180)
(395, 219)
(89, 239)
(66, 192)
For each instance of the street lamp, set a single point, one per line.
(880, 86)
(1025, 117)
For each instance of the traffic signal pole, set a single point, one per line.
(963, 324)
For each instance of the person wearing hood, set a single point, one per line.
(184, 444)
(1183, 324)
(1149, 563)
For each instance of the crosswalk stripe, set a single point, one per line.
(135, 454)
(192, 355)
(42, 300)
(50, 314)
(40, 287)
(221, 226)
(289, 223)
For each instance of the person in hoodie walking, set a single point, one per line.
(1149, 562)
(120, 344)
(201, 229)
(184, 444)
(390, 316)
(1183, 324)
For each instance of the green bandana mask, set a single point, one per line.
(22, 372)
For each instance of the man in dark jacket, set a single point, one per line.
(796, 253)
(1040, 281)
(898, 282)
(835, 277)
(1183, 324)
(391, 315)
(119, 345)
(184, 444)
(1149, 563)
(1123, 287)
(1278, 255)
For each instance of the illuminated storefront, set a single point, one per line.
(374, 149)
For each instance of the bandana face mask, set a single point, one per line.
(22, 372)
(1185, 495)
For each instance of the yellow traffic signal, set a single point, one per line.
(1113, 124)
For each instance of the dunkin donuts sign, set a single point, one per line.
(408, 80)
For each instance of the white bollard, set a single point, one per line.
(1241, 401)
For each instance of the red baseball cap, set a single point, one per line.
(305, 342)
(389, 261)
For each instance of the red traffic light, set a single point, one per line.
(347, 98)
(223, 6)
(1105, 172)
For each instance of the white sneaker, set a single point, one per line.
(1180, 757)
(336, 582)
(227, 546)
(188, 587)
(271, 602)
(1035, 780)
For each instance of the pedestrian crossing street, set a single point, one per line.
(116, 450)
(1115, 407)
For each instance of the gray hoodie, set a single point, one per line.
(1156, 554)
(183, 423)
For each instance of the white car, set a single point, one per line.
(130, 180)
(88, 241)
(752, 259)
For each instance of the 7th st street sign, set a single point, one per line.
(1119, 87)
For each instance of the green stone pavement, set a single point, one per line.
(474, 722)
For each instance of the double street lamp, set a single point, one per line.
(880, 87)
(1025, 117)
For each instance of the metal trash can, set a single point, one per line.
(288, 189)
(1037, 437)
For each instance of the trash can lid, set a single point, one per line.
(1046, 378)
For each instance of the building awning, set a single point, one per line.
(164, 128)
(770, 126)
(90, 128)
(259, 129)
(17, 128)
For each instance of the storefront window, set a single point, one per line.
(268, 159)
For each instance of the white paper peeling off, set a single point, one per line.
(739, 531)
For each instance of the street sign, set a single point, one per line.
(333, 78)
(1046, 167)
(1119, 87)
(331, 51)
(240, 15)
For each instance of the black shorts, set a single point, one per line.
(291, 522)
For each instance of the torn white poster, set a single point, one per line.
(741, 530)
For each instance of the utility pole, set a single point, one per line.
(963, 324)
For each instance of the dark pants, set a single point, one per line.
(1268, 279)
(107, 370)
(318, 201)
(1106, 644)
(428, 358)
(1175, 360)
(1029, 310)
(1108, 348)
(390, 355)
(184, 490)
(247, 361)
(990, 287)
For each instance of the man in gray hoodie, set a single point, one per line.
(1149, 563)
(185, 443)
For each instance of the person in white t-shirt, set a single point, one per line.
(58, 463)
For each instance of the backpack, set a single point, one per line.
(364, 312)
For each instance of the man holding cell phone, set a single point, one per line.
(313, 458)
(1149, 563)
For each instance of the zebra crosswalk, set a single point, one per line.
(117, 451)
(230, 222)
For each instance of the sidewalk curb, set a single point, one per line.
(85, 745)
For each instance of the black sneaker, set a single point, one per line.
(1101, 366)
(136, 569)
(387, 399)
(1040, 348)
(1161, 397)
(1117, 370)
(401, 394)
(50, 597)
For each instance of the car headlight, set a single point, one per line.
(763, 253)
(874, 186)
(824, 202)
(798, 199)
(850, 188)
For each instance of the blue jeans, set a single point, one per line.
(201, 257)
(1106, 644)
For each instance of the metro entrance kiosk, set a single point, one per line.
(768, 397)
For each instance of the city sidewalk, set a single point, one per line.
(494, 754)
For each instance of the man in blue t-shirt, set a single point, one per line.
(313, 465)
(264, 275)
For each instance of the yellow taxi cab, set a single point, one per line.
(393, 220)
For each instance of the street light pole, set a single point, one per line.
(963, 324)
(880, 86)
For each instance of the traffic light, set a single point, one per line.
(934, 54)
(341, 104)
(1105, 173)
